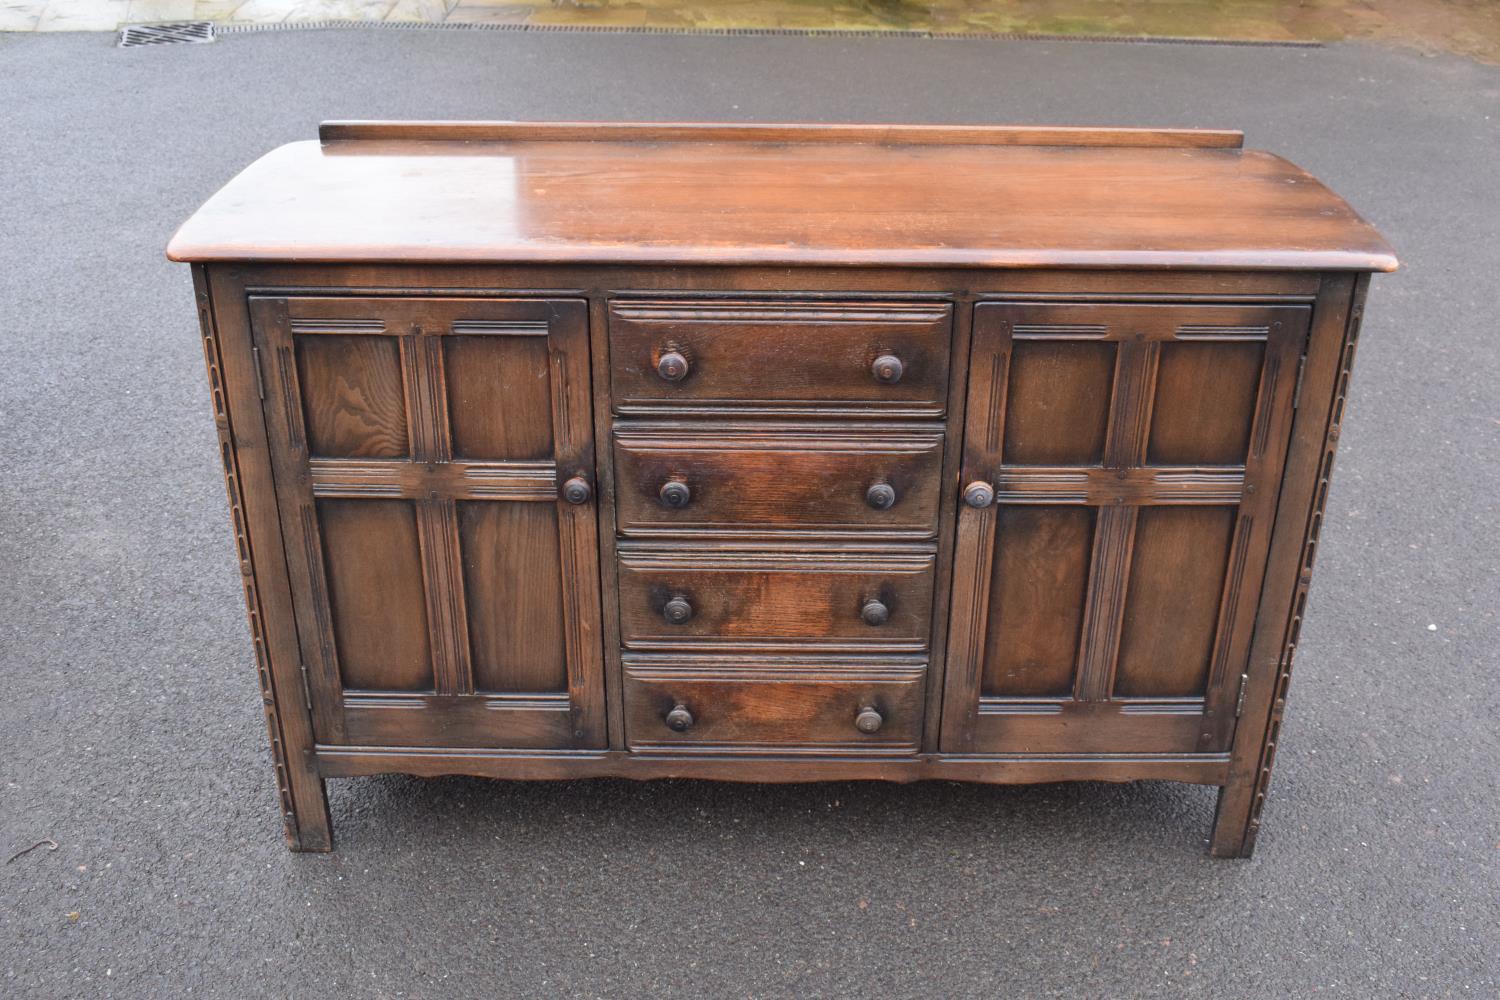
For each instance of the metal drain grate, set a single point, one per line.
(166, 34)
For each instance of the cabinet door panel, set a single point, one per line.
(1058, 402)
(372, 561)
(1177, 571)
(352, 403)
(1204, 404)
(499, 396)
(1037, 588)
(446, 595)
(1104, 602)
(514, 582)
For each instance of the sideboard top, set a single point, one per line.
(861, 195)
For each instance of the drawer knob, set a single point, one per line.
(875, 612)
(674, 493)
(881, 496)
(887, 369)
(673, 366)
(979, 495)
(577, 490)
(680, 720)
(677, 611)
(869, 720)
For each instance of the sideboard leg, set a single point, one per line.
(308, 824)
(1232, 836)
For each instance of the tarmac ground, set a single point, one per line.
(130, 730)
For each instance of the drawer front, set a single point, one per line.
(809, 479)
(776, 597)
(780, 357)
(673, 705)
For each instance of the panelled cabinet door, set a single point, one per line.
(434, 463)
(1104, 599)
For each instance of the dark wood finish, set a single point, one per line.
(419, 574)
(233, 383)
(901, 135)
(633, 200)
(1109, 600)
(799, 595)
(772, 768)
(780, 358)
(929, 516)
(806, 478)
(772, 707)
(1315, 435)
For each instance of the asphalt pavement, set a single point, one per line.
(130, 730)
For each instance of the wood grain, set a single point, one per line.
(802, 596)
(235, 392)
(1178, 568)
(1288, 570)
(499, 396)
(1141, 575)
(779, 710)
(885, 134)
(513, 576)
(1175, 551)
(787, 358)
(352, 400)
(376, 597)
(1042, 558)
(402, 559)
(808, 478)
(769, 203)
(771, 768)
(1205, 403)
(1058, 402)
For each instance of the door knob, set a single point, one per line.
(577, 490)
(680, 720)
(677, 611)
(674, 493)
(979, 495)
(887, 369)
(673, 366)
(881, 496)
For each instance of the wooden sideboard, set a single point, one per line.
(777, 453)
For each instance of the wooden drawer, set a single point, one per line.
(779, 357)
(773, 706)
(805, 478)
(827, 596)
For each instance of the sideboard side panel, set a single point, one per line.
(1299, 518)
(233, 384)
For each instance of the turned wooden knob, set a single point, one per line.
(887, 369)
(875, 612)
(680, 720)
(868, 720)
(673, 366)
(674, 493)
(677, 611)
(979, 495)
(881, 496)
(577, 490)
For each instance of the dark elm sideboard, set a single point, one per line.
(777, 452)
